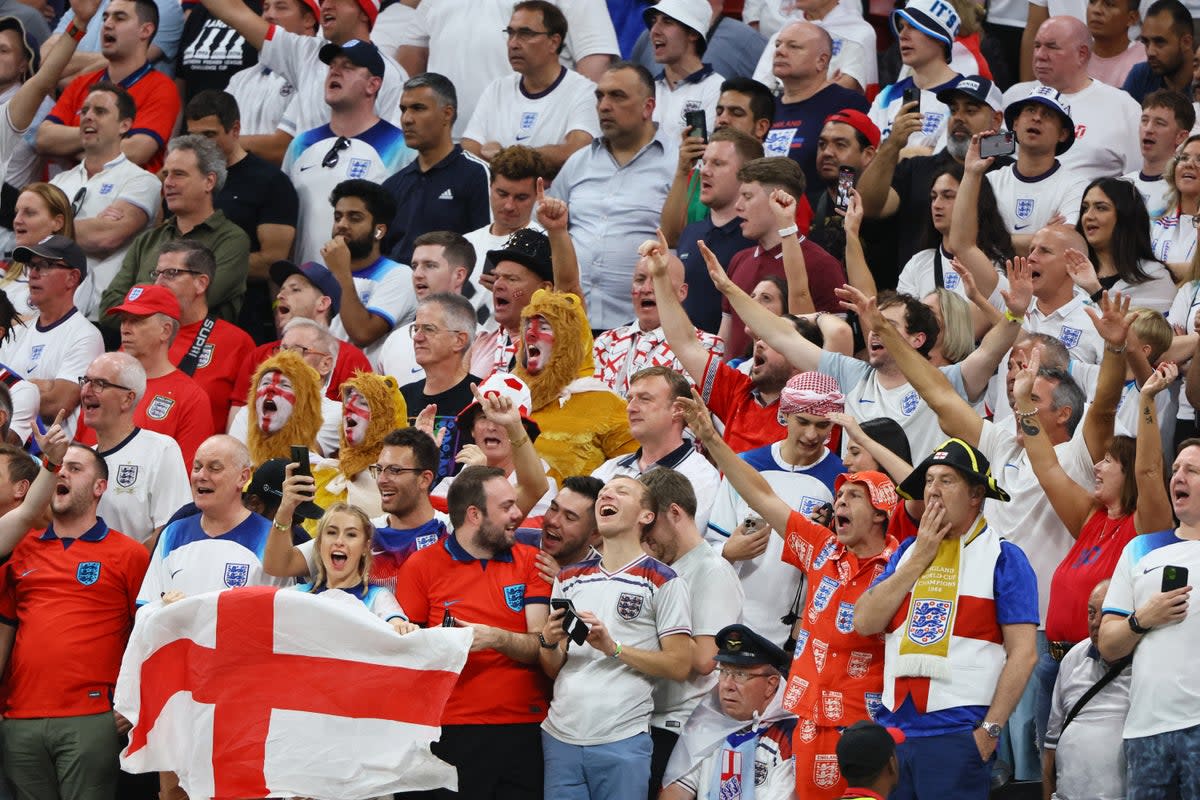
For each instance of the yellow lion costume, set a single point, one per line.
(583, 422)
(305, 420)
(346, 478)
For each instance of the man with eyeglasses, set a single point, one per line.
(542, 105)
(173, 403)
(442, 334)
(55, 351)
(194, 173)
(836, 675)
(739, 735)
(355, 144)
(446, 187)
(147, 474)
(113, 199)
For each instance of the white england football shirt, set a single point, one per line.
(147, 484)
(263, 96)
(508, 115)
(1027, 203)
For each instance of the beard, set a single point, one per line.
(360, 248)
(493, 537)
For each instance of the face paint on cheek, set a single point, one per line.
(539, 344)
(356, 416)
(274, 402)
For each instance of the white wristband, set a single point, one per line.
(785, 232)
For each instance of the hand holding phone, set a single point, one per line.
(1174, 578)
(698, 123)
(572, 625)
(847, 178)
(998, 144)
(300, 456)
(911, 95)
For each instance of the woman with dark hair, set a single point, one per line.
(1119, 256)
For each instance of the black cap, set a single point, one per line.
(31, 48)
(268, 480)
(740, 646)
(530, 249)
(316, 274)
(55, 248)
(865, 748)
(964, 458)
(360, 53)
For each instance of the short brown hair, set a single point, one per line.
(746, 145)
(518, 163)
(776, 172)
(675, 382)
(457, 251)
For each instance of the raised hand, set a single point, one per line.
(691, 150)
(716, 272)
(54, 442)
(848, 423)
(497, 408)
(933, 529)
(1019, 294)
(654, 254)
(906, 123)
(973, 162)
(1114, 319)
(695, 413)
(296, 490)
(336, 255)
(1026, 374)
(783, 206)
(1162, 377)
(1082, 271)
(853, 299)
(551, 212)
(964, 275)
(426, 421)
(469, 455)
(84, 11)
(853, 215)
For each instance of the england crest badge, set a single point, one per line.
(236, 575)
(160, 407)
(88, 572)
(127, 475)
(629, 605)
(930, 621)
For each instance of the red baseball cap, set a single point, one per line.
(880, 489)
(146, 299)
(859, 121)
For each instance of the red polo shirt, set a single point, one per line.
(730, 395)
(217, 368)
(175, 406)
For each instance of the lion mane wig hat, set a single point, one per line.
(388, 412)
(305, 421)
(571, 357)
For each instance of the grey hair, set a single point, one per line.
(328, 342)
(209, 158)
(129, 372)
(442, 87)
(169, 320)
(1066, 393)
(1054, 352)
(457, 311)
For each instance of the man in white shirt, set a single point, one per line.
(148, 479)
(1167, 119)
(461, 40)
(716, 600)
(295, 57)
(661, 443)
(1106, 118)
(854, 63)
(638, 624)
(113, 198)
(678, 34)
(543, 104)
(1036, 189)
(53, 351)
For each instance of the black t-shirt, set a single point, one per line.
(258, 193)
(449, 403)
(703, 301)
(210, 51)
(878, 238)
(797, 126)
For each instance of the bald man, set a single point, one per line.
(1106, 119)
(623, 352)
(1058, 305)
(222, 546)
(801, 64)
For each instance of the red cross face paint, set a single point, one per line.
(539, 344)
(274, 401)
(356, 416)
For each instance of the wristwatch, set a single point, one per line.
(1135, 626)
(992, 729)
(546, 645)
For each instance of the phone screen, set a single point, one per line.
(847, 176)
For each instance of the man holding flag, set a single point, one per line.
(958, 605)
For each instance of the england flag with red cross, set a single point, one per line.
(262, 692)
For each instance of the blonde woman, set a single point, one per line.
(42, 210)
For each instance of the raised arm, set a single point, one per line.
(242, 19)
(875, 184)
(955, 415)
(963, 240)
(1070, 501)
(24, 104)
(281, 558)
(800, 301)
(532, 484)
(776, 331)
(858, 272)
(1153, 511)
(751, 485)
(979, 367)
(675, 207)
(18, 522)
(895, 466)
(1112, 323)
(680, 333)
(552, 214)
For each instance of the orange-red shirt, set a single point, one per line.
(217, 367)
(175, 406)
(492, 689)
(836, 676)
(72, 602)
